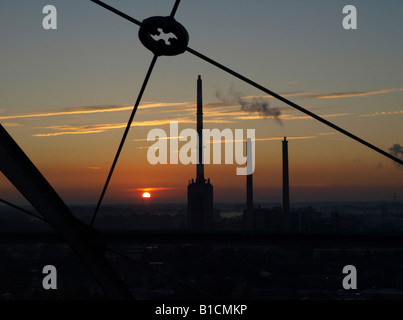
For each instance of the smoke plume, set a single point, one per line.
(254, 105)
(397, 151)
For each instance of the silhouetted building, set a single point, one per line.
(200, 192)
(336, 221)
(309, 219)
(263, 219)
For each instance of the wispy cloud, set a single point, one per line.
(283, 94)
(150, 189)
(216, 121)
(294, 117)
(235, 140)
(331, 115)
(383, 113)
(187, 106)
(268, 139)
(351, 94)
(331, 95)
(220, 112)
(89, 110)
(160, 138)
(191, 107)
(288, 138)
(153, 123)
(326, 133)
(73, 130)
(99, 128)
(11, 124)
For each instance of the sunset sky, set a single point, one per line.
(66, 96)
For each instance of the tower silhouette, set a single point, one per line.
(249, 212)
(249, 178)
(286, 185)
(200, 192)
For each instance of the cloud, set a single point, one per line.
(216, 121)
(72, 130)
(283, 94)
(282, 138)
(222, 112)
(397, 151)
(351, 94)
(160, 138)
(151, 189)
(332, 95)
(191, 107)
(233, 140)
(256, 105)
(326, 133)
(383, 113)
(249, 104)
(293, 117)
(267, 139)
(152, 148)
(99, 128)
(89, 110)
(11, 124)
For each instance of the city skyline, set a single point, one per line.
(67, 104)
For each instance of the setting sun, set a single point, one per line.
(146, 195)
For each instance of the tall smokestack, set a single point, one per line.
(286, 187)
(249, 177)
(201, 215)
(200, 164)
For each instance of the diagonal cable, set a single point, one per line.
(175, 8)
(162, 273)
(119, 13)
(23, 210)
(143, 87)
(294, 105)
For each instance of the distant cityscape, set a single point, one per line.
(313, 217)
(166, 270)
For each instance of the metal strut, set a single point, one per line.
(23, 174)
(122, 142)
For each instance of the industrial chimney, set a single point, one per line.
(200, 160)
(249, 177)
(286, 186)
(200, 192)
